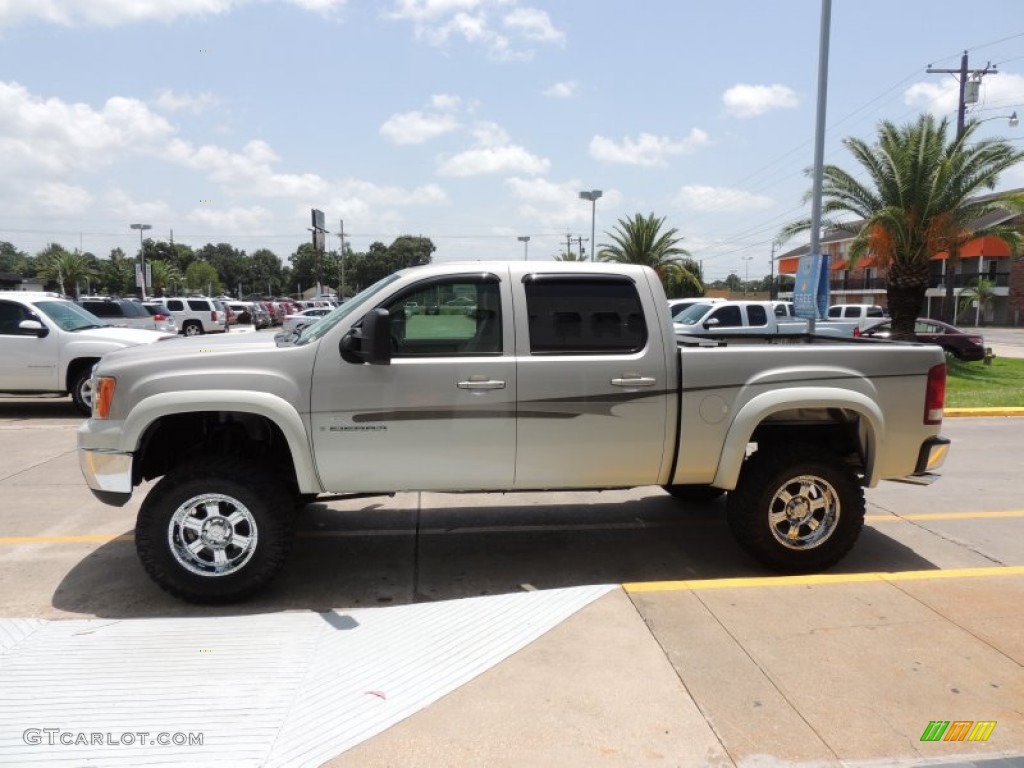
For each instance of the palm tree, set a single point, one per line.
(921, 199)
(164, 274)
(570, 255)
(639, 240)
(65, 268)
(979, 296)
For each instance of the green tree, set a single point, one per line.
(639, 240)
(676, 288)
(230, 263)
(977, 297)
(265, 273)
(202, 276)
(410, 251)
(68, 270)
(570, 255)
(165, 276)
(921, 198)
(12, 260)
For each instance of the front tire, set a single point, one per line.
(192, 328)
(216, 530)
(81, 391)
(796, 510)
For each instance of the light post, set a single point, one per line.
(525, 240)
(142, 258)
(746, 281)
(592, 196)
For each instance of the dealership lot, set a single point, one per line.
(640, 633)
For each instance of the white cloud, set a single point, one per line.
(721, 199)
(109, 13)
(121, 206)
(745, 101)
(507, 159)
(440, 21)
(445, 102)
(647, 149)
(58, 199)
(941, 96)
(56, 136)
(557, 204)
(489, 134)
(416, 127)
(563, 90)
(238, 219)
(169, 101)
(533, 24)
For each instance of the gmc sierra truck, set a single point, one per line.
(508, 377)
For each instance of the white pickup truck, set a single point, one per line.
(48, 345)
(548, 376)
(752, 318)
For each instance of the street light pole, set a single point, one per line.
(525, 240)
(593, 196)
(142, 258)
(746, 281)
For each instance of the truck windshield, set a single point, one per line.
(691, 315)
(324, 324)
(69, 316)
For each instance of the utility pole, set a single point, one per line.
(967, 95)
(580, 240)
(568, 243)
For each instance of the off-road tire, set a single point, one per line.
(694, 493)
(209, 493)
(81, 390)
(825, 503)
(192, 328)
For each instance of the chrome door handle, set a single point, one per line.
(481, 383)
(635, 381)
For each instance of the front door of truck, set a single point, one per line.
(28, 361)
(441, 415)
(593, 385)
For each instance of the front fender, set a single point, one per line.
(275, 408)
(758, 408)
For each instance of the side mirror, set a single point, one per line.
(34, 328)
(370, 342)
(711, 322)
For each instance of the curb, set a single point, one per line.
(956, 412)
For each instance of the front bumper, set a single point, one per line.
(108, 474)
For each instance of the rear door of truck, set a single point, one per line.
(595, 395)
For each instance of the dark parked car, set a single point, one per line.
(960, 344)
(119, 312)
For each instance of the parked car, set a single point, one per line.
(857, 311)
(301, 319)
(162, 316)
(122, 313)
(960, 344)
(196, 315)
(49, 344)
(750, 318)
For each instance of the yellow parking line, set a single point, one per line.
(1007, 411)
(945, 516)
(820, 578)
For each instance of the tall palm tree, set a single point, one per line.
(921, 198)
(639, 240)
(65, 268)
(164, 275)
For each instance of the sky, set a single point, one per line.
(471, 122)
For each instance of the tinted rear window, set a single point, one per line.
(103, 308)
(581, 315)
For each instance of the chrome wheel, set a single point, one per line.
(804, 512)
(212, 535)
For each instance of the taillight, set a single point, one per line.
(213, 316)
(103, 396)
(856, 331)
(935, 395)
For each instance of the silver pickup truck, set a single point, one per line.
(507, 377)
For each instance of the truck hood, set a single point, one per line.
(124, 336)
(173, 347)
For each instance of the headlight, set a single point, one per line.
(103, 396)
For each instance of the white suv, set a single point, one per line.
(196, 315)
(48, 345)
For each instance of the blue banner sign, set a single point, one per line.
(810, 294)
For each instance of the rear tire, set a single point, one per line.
(216, 530)
(796, 510)
(192, 328)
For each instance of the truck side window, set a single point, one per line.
(441, 318)
(728, 317)
(11, 315)
(756, 315)
(572, 315)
